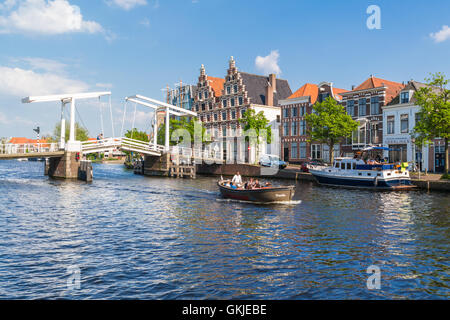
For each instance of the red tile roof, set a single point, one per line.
(21, 140)
(393, 88)
(308, 89)
(312, 91)
(217, 85)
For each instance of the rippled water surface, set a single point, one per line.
(159, 238)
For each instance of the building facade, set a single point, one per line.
(221, 103)
(295, 147)
(182, 96)
(399, 120)
(364, 103)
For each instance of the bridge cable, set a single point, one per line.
(123, 119)
(112, 120)
(134, 120)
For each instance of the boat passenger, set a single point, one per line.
(257, 185)
(237, 179)
(248, 184)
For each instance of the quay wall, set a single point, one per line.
(247, 170)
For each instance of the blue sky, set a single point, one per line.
(140, 46)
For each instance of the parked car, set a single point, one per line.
(313, 162)
(272, 160)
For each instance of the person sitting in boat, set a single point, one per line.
(237, 179)
(233, 185)
(257, 185)
(268, 184)
(248, 184)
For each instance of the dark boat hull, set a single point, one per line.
(264, 195)
(391, 184)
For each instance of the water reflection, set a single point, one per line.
(156, 238)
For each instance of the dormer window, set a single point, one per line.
(404, 97)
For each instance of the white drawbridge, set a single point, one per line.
(119, 143)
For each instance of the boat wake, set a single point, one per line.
(288, 203)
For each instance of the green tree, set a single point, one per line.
(137, 135)
(434, 114)
(81, 134)
(329, 123)
(187, 124)
(257, 127)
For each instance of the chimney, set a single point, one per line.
(353, 87)
(271, 89)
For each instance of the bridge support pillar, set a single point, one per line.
(65, 167)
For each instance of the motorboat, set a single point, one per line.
(265, 194)
(351, 172)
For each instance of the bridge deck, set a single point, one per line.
(54, 154)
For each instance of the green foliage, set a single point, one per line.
(137, 135)
(258, 122)
(81, 134)
(434, 113)
(329, 123)
(186, 124)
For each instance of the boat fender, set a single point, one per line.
(375, 181)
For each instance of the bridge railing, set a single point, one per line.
(195, 153)
(24, 148)
(123, 143)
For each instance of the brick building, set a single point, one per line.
(221, 102)
(364, 103)
(294, 145)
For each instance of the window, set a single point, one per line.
(224, 103)
(342, 165)
(302, 111)
(285, 113)
(294, 111)
(232, 102)
(228, 90)
(375, 105)
(351, 107)
(224, 131)
(404, 125)
(241, 101)
(233, 114)
(233, 130)
(235, 88)
(224, 116)
(215, 117)
(200, 96)
(391, 124)
(242, 113)
(404, 97)
(206, 94)
(416, 118)
(278, 118)
(302, 127)
(362, 106)
(294, 128)
(285, 129)
(349, 166)
(323, 96)
(316, 151)
(302, 150)
(210, 106)
(294, 150)
(203, 107)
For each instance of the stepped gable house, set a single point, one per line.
(220, 104)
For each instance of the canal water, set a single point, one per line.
(128, 236)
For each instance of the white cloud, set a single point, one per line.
(127, 4)
(42, 64)
(20, 82)
(104, 85)
(269, 63)
(45, 17)
(441, 35)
